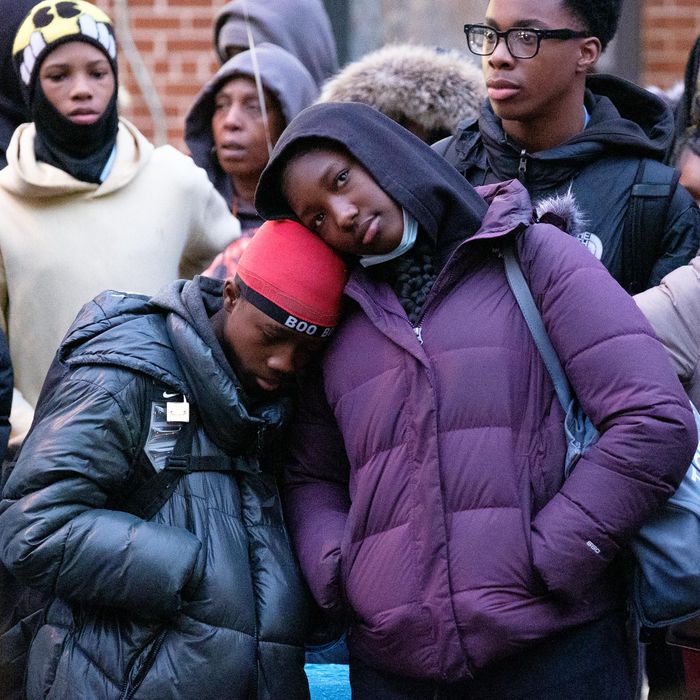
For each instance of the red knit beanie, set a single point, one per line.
(290, 274)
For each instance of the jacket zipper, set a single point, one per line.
(418, 328)
(129, 692)
(522, 166)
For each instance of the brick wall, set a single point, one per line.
(174, 39)
(669, 29)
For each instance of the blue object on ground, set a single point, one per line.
(328, 681)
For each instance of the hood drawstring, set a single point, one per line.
(258, 79)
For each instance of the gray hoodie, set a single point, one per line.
(300, 26)
(280, 73)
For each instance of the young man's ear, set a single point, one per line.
(590, 50)
(231, 294)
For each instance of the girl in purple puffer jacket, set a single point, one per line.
(425, 491)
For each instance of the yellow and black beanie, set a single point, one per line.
(51, 23)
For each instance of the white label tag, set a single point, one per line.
(177, 412)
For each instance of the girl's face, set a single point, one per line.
(78, 81)
(335, 197)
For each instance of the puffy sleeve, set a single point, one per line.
(21, 412)
(626, 385)
(57, 532)
(316, 495)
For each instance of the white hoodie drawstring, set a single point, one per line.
(258, 79)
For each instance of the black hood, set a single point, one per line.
(169, 337)
(406, 168)
(625, 120)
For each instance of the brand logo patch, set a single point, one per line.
(593, 547)
(592, 242)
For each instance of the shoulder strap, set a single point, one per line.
(522, 294)
(652, 190)
(148, 498)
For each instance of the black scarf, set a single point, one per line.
(81, 150)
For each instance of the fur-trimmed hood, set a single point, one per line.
(563, 212)
(412, 83)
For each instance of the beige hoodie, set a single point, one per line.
(62, 241)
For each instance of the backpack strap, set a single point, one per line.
(645, 222)
(528, 307)
(148, 498)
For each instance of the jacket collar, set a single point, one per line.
(509, 212)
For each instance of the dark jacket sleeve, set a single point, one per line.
(681, 239)
(56, 531)
(620, 373)
(316, 496)
(6, 385)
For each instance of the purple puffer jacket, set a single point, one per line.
(425, 492)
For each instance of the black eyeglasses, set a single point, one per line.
(522, 42)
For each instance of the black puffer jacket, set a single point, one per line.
(203, 600)
(599, 164)
(6, 385)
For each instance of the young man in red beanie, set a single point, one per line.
(144, 501)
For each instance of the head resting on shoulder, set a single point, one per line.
(402, 167)
(283, 303)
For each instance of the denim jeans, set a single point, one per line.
(590, 662)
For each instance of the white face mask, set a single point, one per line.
(410, 232)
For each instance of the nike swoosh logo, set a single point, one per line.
(167, 395)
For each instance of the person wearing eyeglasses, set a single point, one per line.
(554, 125)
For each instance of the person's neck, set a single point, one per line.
(244, 186)
(541, 133)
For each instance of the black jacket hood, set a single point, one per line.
(627, 117)
(625, 120)
(169, 337)
(407, 169)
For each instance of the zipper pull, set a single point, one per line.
(418, 330)
(522, 165)
(260, 440)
